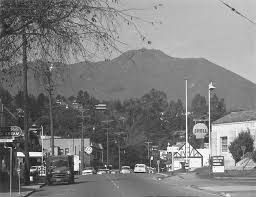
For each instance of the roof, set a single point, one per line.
(240, 116)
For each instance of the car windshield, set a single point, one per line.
(140, 166)
(126, 167)
(59, 163)
(89, 168)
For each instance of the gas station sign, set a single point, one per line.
(200, 130)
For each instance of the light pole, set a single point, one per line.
(210, 88)
(186, 148)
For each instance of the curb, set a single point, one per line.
(31, 192)
(207, 191)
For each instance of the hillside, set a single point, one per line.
(136, 72)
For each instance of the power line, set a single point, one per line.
(237, 12)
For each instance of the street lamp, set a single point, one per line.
(210, 88)
(186, 145)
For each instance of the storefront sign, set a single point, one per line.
(217, 164)
(200, 130)
(12, 131)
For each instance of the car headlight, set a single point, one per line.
(68, 172)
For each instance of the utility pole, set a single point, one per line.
(50, 88)
(2, 113)
(148, 143)
(25, 94)
(82, 143)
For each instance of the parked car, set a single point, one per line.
(140, 168)
(103, 171)
(125, 170)
(88, 170)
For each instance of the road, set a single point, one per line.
(120, 185)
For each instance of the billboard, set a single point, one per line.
(200, 130)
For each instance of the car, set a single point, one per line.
(125, 170)
(88, 170)
(103, 171)
(140, 168)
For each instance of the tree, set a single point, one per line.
(199, 106)
(218, 107)
(55, 31)
(243, 139)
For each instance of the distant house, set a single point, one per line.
(227, 128)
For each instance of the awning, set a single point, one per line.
(31, 154)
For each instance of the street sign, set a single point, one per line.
(12, 131)
(200, 130)
(88, 150)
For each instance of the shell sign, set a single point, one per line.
(200, 130)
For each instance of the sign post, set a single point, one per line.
(218, 164)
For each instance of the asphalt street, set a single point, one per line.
(120, 185)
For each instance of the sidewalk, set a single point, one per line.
(222, 186)
(25, 191)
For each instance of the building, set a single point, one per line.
(227, 128)
(72, 146)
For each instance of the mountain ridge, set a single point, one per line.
(135, 72)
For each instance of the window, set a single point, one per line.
(66, 151)
(224, 144)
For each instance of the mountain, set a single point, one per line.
(135, 72)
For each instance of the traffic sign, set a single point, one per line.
(12, 131)
(88, 150)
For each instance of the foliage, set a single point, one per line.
(199, 106)
(149, 118)
(243, 139)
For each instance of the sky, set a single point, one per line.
(196, 28)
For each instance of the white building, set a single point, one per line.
(227, 128)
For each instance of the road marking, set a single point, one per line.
(116, 186)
